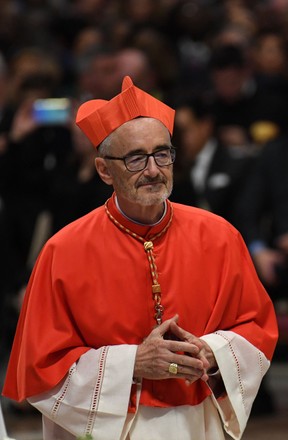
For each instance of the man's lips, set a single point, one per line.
(150, 183)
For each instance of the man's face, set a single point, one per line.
(152, 185)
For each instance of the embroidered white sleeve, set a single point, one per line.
(242, 367)
(94, 396)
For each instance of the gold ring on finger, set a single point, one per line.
(173, 368)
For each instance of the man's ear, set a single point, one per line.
(103, 170)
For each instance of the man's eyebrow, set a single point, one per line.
(157, 148)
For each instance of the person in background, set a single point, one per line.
(233, 92)
(210, 176)
(96, 73)
(263, 221)
(34, 151)
(136, 63)
(246, 115)
(144, 316)
(76, 187)
(269, 62)
(31, 154)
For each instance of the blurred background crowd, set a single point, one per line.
(221, 64)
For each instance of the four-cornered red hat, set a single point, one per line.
(98, 118)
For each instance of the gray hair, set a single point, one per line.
(104, 148)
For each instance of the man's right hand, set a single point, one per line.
(155, 355)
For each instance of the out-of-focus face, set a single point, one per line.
(151, 186)
(100, 79)
(270, 57)
(193, 132)
(229, 82)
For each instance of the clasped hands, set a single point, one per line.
(193, 356)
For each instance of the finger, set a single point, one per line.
(205, 377)
(162, 328)
(184, 335)
(204, 359)
(189, 381)
(184, 347)
(184, 372)
(188, 362)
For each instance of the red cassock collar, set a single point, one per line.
(145, 231)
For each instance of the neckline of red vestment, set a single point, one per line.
(145, 231)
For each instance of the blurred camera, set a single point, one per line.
(52, 111)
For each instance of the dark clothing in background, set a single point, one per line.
(26, 171)
(264, 205)
(223, 184)
(263, 209)
(71, 198)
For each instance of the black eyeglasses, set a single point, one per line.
(138, 162)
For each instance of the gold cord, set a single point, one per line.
(148, 247)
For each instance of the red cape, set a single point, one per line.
(91, 287)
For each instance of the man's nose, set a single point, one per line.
(152, 169)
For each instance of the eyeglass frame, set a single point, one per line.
(172, 151)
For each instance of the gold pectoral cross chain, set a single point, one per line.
(148, 247)
(156, 288)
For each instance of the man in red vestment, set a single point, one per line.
(144, 319)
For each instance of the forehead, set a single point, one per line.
(140, 133)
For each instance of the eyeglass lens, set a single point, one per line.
(138, 162)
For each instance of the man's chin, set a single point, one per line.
(150, 198)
